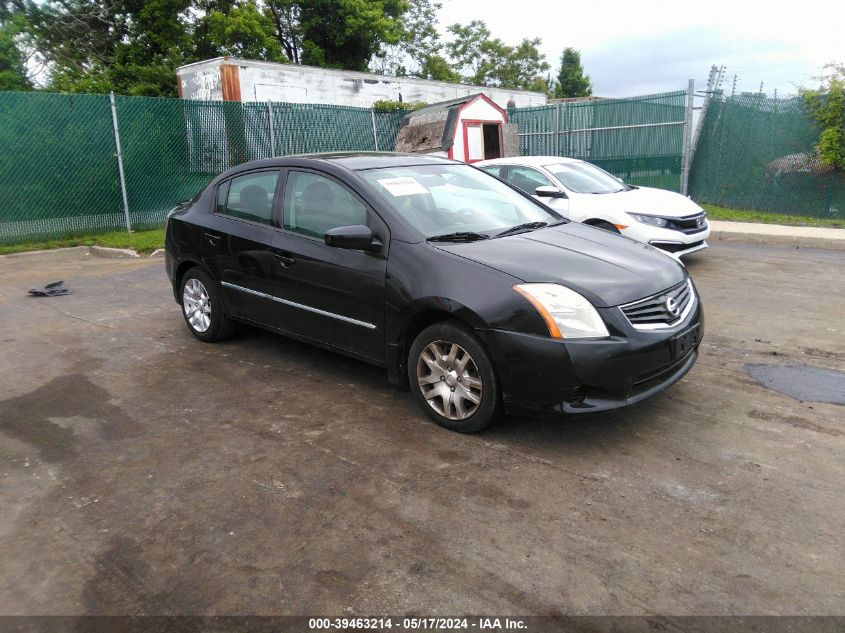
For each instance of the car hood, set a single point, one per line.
(639, 200)
(606, 268)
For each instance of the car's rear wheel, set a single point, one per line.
(452, 377)
(202, 308)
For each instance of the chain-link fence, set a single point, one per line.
(757, 153)
(59, 172)
(639, 139)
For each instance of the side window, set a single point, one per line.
(496, 170)
(250, 197)
(314, 204)
(527, 179)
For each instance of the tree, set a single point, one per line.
(437, 67)
(129, 46)
(336, 33)
(418, 53)
(523, 67)
(286, 17)
(469, 50)
(487, 61)
(244, 31)
(13, 63)
(826, 107)
(571, 80)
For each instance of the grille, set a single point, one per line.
(674, 247)
(653, 312)
(690, 223)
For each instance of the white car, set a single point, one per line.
(585, 193)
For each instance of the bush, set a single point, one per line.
(386, 105)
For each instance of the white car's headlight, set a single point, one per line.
(566, 313)
(651, 220)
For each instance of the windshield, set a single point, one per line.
(586, 178)
(455, 199)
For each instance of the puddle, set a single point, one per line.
(802, 382)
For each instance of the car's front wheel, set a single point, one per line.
(452, 377)
(202, 307)
(607, 226)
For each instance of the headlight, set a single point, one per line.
(651, 220)
(566, 313)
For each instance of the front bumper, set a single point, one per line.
(674, 242)
(542, 375)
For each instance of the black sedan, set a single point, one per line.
(480, 298)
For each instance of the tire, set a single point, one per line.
(202, 307)
(436, 374)
(607, 226)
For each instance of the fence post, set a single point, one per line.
(272, 132)
(375, 135)
(686, 154)
(557, 129)
(120, 162)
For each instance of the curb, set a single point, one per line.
(96, 251)
(83, 250)
(115, 253)
(777, 235)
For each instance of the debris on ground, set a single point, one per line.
(55, 289)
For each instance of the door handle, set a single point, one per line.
(285, 261)
(213, 238)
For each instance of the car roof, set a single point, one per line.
(532, 161)
(350, 160)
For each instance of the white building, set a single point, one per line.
(226, 79)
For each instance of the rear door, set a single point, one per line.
(331, 294)
(237, 243)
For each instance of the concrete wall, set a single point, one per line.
(265, 81)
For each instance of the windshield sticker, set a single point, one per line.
(404, 186)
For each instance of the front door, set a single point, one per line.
(528, 179)
(237, 241)
(331, 294)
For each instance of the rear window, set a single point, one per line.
(250, 197)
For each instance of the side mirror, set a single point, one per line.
(356, 237)
(549, 192)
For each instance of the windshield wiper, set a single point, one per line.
(522, 227)
(460, 236)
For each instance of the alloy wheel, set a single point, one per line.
(195, 303)
(449, 380)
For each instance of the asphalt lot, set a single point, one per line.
(145, 472)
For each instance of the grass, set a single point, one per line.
(141, 241)
(740, 215)
(148, 241)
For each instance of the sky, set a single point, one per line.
(641, 47)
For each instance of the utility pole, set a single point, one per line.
(719, 78)
(708, 94)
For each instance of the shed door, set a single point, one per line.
(482, 140)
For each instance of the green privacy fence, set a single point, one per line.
(57, 168)
(757, 153)
(640, 139)
(59, 172)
